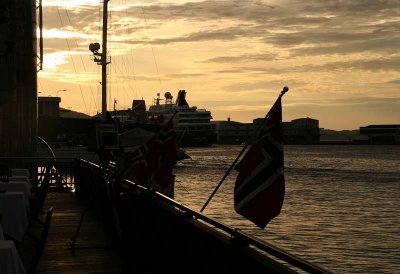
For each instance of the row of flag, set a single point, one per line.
(152, 163)
(260, 185)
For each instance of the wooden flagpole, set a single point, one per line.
(284, 90)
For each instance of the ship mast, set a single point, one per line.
(101, 59)
(104, 64)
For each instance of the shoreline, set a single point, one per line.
(330, 142)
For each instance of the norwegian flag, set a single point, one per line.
(260, 184)
(162, 156)
(137, 164)
(152, 163)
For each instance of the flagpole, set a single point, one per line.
(284, 90)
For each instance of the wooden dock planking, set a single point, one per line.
(94, 251)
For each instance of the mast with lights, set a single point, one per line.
(101, 59)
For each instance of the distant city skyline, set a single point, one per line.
(340, 59)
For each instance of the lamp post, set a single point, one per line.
(59, 91)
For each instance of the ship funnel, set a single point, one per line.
(181, 101)
(138, 112)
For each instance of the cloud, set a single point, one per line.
(365, 64)
(63, 34)
(78, 17)
(243, 58)
(396, 82)
(293, 13)
(317, 28)
(246, 50)
(377, 64)
(185, 75)
(271, 87)
(348, 101)
(224, 34)
(205, 10)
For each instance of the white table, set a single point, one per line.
(20, 172)
(19, 178)
(18, 186)
(10, 261)
(14, 214)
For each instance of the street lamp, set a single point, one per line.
(59, 91)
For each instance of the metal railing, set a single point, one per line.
(190, 215)
(62, 172)
(67, 172)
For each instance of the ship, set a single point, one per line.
(192, 125)
(136, 128)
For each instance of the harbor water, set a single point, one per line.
(341, 209)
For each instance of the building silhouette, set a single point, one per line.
(298, 131)
(382, 134)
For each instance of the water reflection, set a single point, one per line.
(341, 203)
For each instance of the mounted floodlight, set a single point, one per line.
(94, 47)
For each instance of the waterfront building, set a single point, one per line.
(232, 132)
(62, 126)
(49, 106)
(301, 131)
(298, 131)
(382, 134)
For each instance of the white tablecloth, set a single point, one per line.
(19, 178)
(20, 172)
(14, 214)
(10, 261)
(18, 186)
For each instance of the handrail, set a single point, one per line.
(62, 175)
(233, 232)
(236, 233)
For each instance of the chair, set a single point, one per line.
(41, 243)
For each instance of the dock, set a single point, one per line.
(94, 249)
(124, 227)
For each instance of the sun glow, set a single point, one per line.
(64, 34)
(232, 56)
(70, 3)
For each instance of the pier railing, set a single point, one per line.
(157, 233)
(62, 172)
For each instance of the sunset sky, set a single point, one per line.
(340, 59)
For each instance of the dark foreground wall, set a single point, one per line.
(18, 81)
(158, 235)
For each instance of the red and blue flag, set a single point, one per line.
(152, 163)
(260, 184)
